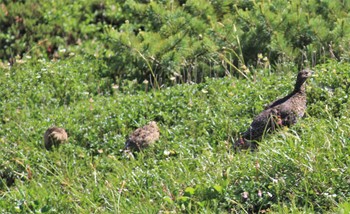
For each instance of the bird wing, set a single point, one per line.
(262, 123)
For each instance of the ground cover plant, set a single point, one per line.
(192, 168)
(202, 70)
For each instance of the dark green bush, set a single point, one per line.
(177, 41)
(43, 29)
(329, 91)
(190, 40)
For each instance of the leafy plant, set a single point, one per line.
(192, 168)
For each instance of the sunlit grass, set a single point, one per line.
(192, 168)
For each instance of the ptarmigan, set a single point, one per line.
(282, 112)
(55, 136)
(143, 137)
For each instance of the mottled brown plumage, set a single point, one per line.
(55, 136)
(282, 112)
(7, 176)
(143, 137)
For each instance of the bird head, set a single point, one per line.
(153, 124)
(304, 74)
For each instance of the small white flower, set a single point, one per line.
(245, 195)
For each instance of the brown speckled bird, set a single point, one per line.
(55, 136)
(143, 137)
(282, 112)
(8, 176)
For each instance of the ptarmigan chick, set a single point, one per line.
(55, 136)
(143, 137)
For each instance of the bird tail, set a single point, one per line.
(243, 144)
(127, 145)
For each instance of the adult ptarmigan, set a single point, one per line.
(282, 112)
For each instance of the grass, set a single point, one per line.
(192, 169)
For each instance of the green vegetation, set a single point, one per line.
(100, 69)
(183, 40)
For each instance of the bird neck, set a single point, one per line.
(299, 87)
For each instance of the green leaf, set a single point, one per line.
(190, 190)
(218, 188)
(183, 198)
(168, 199)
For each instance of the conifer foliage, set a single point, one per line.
(189, 40)
(176, 41)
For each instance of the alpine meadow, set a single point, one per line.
(179, 106)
